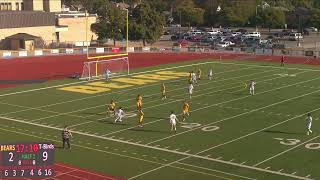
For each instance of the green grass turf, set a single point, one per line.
(229, 135)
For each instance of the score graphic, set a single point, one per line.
(26, 160)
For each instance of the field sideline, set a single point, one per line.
(229, 135)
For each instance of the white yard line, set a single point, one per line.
(200, 167)
(283, 152)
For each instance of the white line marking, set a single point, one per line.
(235, 175)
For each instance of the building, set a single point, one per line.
(44, 19)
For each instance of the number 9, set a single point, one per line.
(45, 155)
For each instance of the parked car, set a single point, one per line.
(209, 38)
(311, 29)
(236, 34)
(175, 25)
(225, 44)
(243, 31)
(253, 35)
(295, 36)
(214, 32)
(226, 30)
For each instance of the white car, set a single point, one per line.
(253, 35)
(234, 34)
(214, 32)
(225, 44)
(312, 29)
(295, 36)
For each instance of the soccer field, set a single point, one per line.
(229, 134)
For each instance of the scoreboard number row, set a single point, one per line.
(28, 173)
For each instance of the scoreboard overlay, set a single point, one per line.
(27, 160)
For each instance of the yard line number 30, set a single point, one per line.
(293, 142)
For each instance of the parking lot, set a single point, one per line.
(239, 37)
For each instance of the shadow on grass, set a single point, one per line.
(281, 132)
(112, 122)
(147, 130)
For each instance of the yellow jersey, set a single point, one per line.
(163, 88)
(185, 107)
(112, 106)
(199, 73)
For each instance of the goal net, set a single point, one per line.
(97, 69)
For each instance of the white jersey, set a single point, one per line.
(210, 72)
(120, 113)
(108, 72)
(190, 89)
(252, 84)
(309, 122)
(194, 76)
(173, 119)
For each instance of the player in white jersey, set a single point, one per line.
(190, 90)
(309, 123)
(251, 87)
(119, 115)
(173, 121)
(210, 75)
(194, 78)
(108, 72)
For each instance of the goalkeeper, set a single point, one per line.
(108, 73)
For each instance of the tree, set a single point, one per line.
(111, 21)
(272, 18)
(315, 18)
(145, 24)
(188, 13)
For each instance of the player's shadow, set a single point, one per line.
(147, 130)
(112, 122)
(281, 132)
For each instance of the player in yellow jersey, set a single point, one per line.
(163, 91)
(185, 111)
(199, 74)
(111, 108)
(139, 102)
(141, 117)
(190, 76)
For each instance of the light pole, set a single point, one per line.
(257, 17)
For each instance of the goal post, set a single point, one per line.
(97, 69)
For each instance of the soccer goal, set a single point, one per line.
(97, 69)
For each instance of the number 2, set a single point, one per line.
(11, 157)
